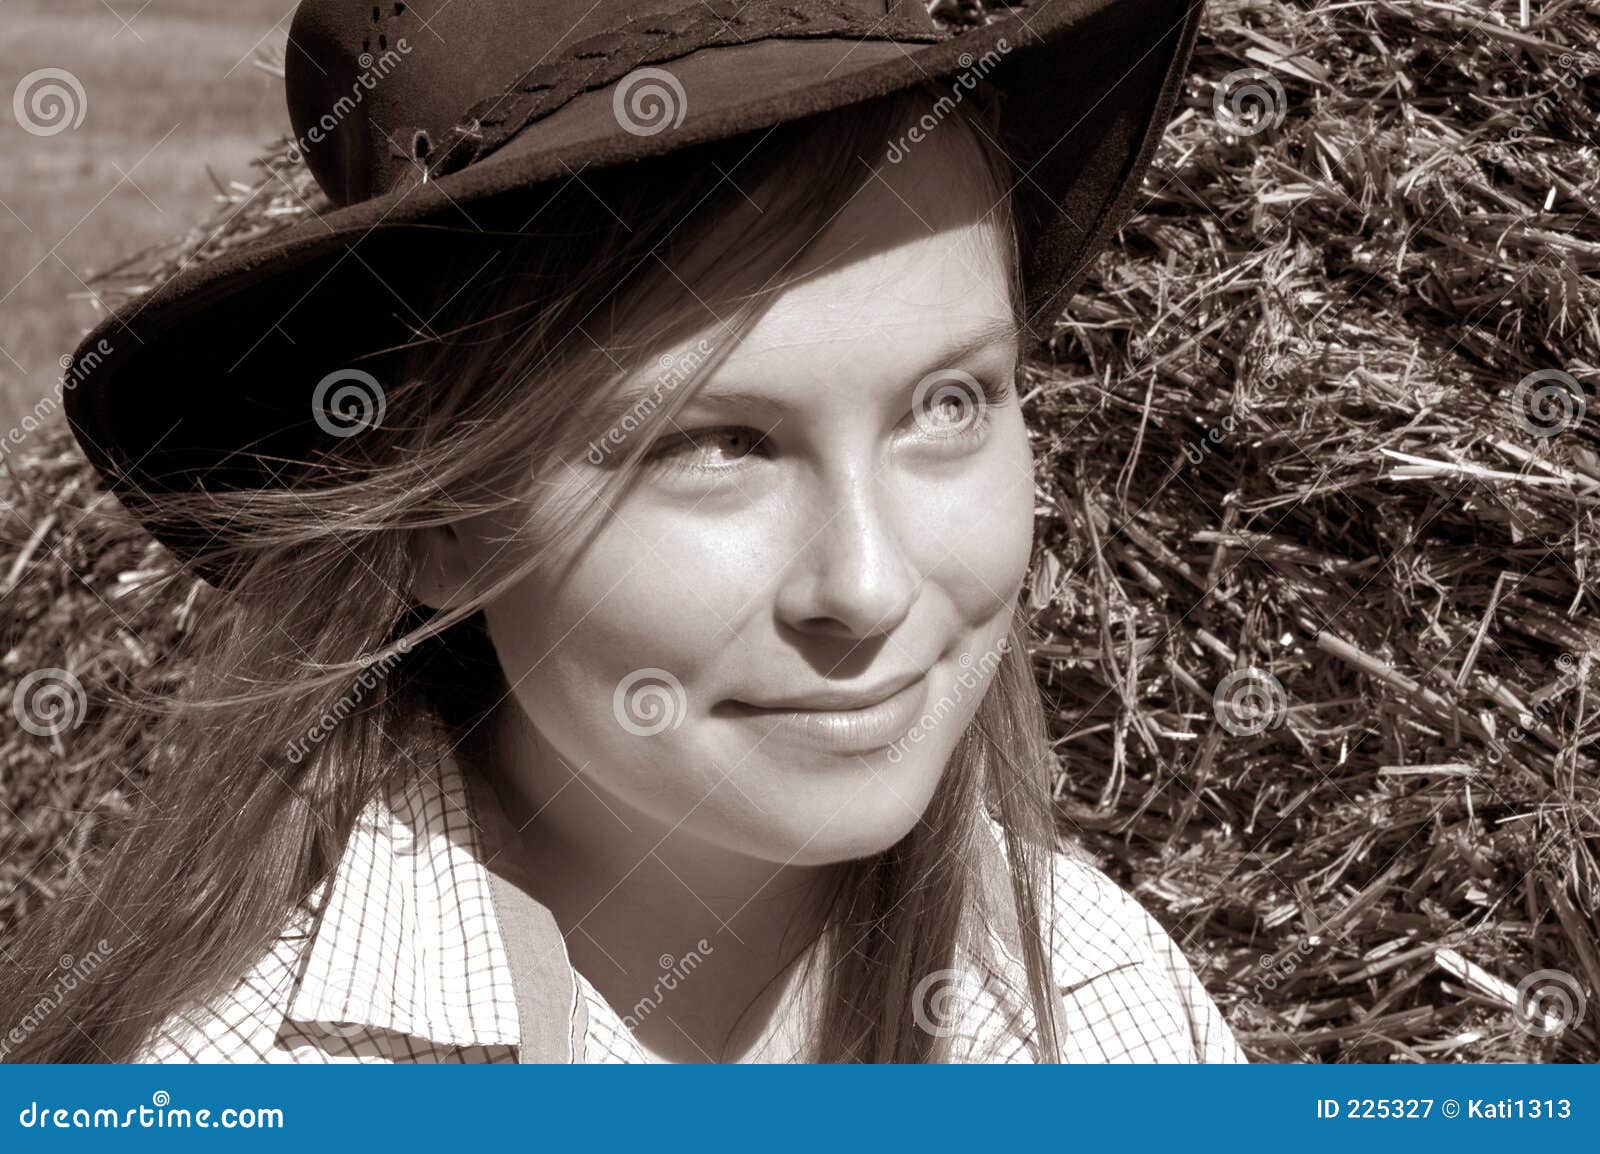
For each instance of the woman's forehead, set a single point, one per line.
(885, 299)
(916, 261)
(878, 319)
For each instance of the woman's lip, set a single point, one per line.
(841, 701)
(846, 730)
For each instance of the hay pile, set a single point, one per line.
(1315, 557)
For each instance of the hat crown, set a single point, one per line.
(384, 93)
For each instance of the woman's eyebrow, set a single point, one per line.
(643, 399)
(993, 332)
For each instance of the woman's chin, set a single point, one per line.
(861, 820)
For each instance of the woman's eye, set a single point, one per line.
(954, 412)
(704, 450)
(957, 411)
(949, 415)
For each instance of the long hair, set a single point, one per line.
(245, 822)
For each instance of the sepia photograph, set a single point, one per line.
(805, 533)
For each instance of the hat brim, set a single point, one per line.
(215, 368)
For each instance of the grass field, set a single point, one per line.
(167, 95)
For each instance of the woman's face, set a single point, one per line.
(780, 632)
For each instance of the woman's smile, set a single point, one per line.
(841, 721)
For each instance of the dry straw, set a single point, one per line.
(1314, 584)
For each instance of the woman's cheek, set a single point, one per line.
(608, 667)
(977, 538)
(651, 591)
(1014, 504)
(1012, 542)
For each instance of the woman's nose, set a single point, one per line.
(850, 577)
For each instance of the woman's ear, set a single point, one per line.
(440, 574)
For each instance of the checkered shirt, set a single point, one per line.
(407, 963)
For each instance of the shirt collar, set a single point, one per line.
(1081, 941)
(407, 940)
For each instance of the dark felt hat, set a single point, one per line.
(430, 112)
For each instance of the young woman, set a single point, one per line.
(625, 663)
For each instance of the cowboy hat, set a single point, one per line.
(434, 111)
